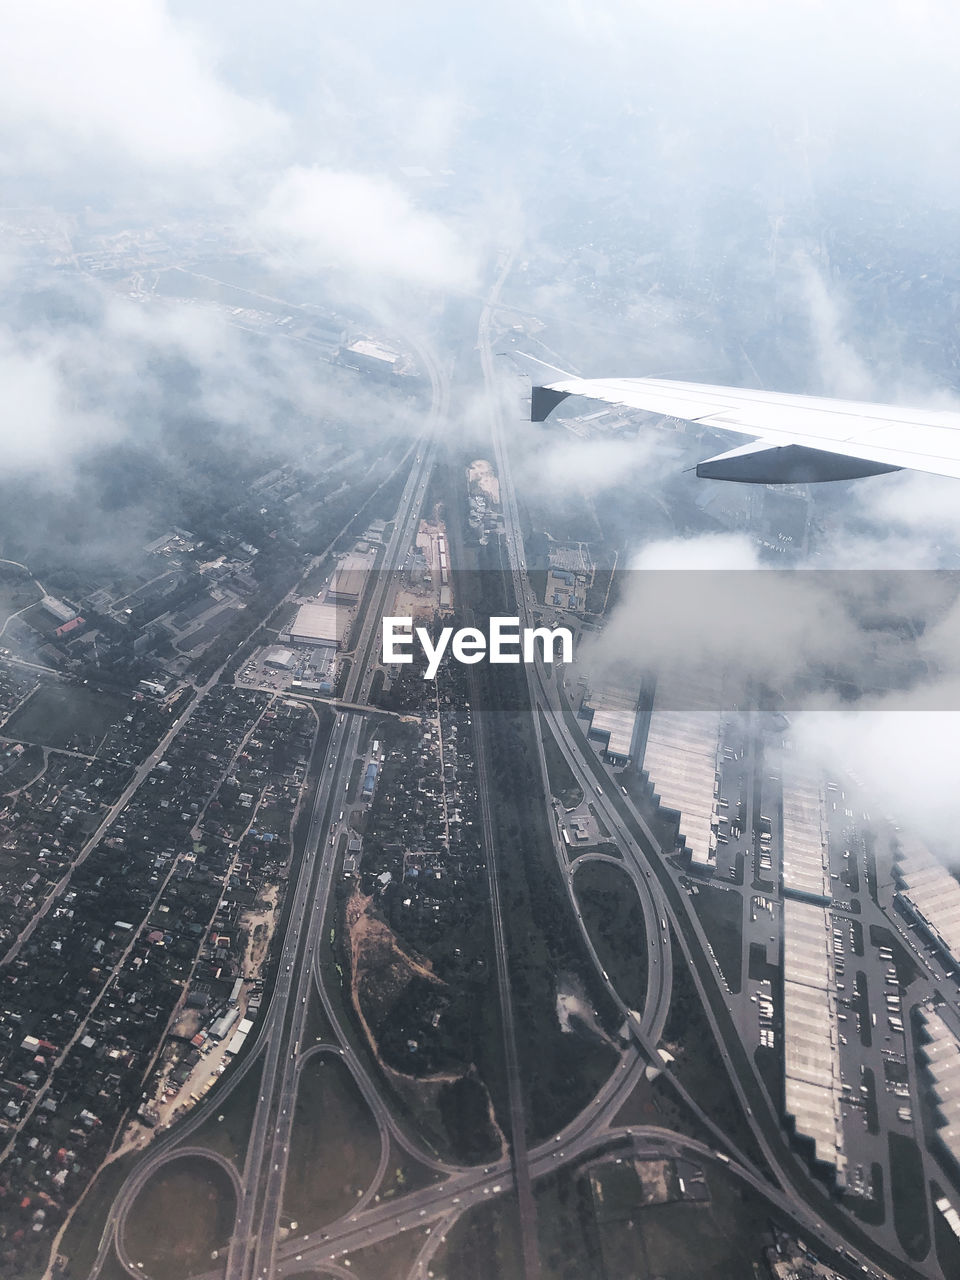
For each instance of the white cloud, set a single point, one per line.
(720, 551)
(40, 421)
(362, 224)
(116, 81)
(905, 759)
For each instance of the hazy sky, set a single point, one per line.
(758, 189)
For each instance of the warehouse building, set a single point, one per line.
(282, 659)
(240, 1035)
(223, 1024)
(941, 1054)
(813, 1089)
(371, 357)
(319, 624)
(348, 580)
(931, 896)
(613, 712)
(805, 860)
(680, 760)
(62, 612)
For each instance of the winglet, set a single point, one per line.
(543, 401)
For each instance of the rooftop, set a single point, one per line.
(319, 624)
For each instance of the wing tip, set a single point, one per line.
(543, 401)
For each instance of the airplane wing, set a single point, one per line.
(793, 438)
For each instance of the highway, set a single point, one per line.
(281, 1049)
(281, 1031)
(545, 696)
(518, 1135)
(518, 1129)
(253, 1246)
(643, 858)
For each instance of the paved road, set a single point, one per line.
(253, 1247)
(281, 1030)
(482, 725)
(622, 818)
(255, 1251)
(545, 697)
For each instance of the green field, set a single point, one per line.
(405, 1174)
(335, 1148)
(81, 1240)
(618, 1239)
(184, 1212)
(72, 716)
(563, 785)
(113, 1269)
(19, 771)
(483, 1245)
(614, 919)
(688, 1033)
(17, 591)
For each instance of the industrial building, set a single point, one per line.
(813, 1089)
(930, 894)
(239, 1036)
(349, 579)
(223, 1024)
(282, 659)
(570, 558)
(941, 1053)
(805, 861)
(613, 710)
(62, 612)
(680, 760)
(370, 356)
(319, 624)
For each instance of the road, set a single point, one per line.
(281, 1031)
(281, 1051)
(253, 1245)
(545, 697)
(641, 850)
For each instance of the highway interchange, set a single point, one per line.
(259, 1248)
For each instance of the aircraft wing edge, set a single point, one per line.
(831, 452)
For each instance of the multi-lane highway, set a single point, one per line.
(642, 854)
(545, 697)
(253, 1245)
(256, 1250)
(280, 1038)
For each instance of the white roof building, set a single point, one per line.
(283, 658)
(680, 758)
(942, 1057)
(932, 894)
(812, 1084)
(614, 717)
(320, 624)
(806, 862)
(349, 579)
(63, 612)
